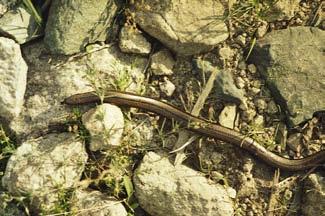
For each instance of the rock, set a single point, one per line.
(227, 116)
(248, 115)
(42, 167)
(226, 53)
(105, 124)
(158, 182)
(293, 63)
(225, 87)
(260, 104)
(54, 79)
(258, 120)
(94, 203)
(13, 75)
(167, 87)
(74, 24)
(162, 63)
(241, 40)
(252, 68)
(282, 10)
(5, 5)
(19, 25)
(314, 196)
(179, 27)
(240, 82)
(272, 108)
(262, 30)
(132, 41)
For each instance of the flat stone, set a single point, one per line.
(182, 29)
(292, 62)
(158, 182)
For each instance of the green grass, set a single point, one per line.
(34, 11)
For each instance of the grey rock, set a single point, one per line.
(132, 41)
(74, 24)
(293, 63)
(282, 10)
(13, 75)
(94, 203)
(162, 63)
(19, 25)
(158, 182)
(314, 196)
(39, 167)
(225, 87)
(105, 124)
(227, 116)
(167, 87)
(179, 27)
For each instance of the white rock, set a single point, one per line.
(19, 24)
(132, 41)
(258, 120)
(167, 87)
(105, 124)
(162, 63)
(94, 203)
(13, 75)
(252, 68)
(226, 53)
(186, 191)
(42, 167)
(261, 30)
(240, 82)
(227, 116)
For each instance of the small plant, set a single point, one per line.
(7, 147)
(34, 11)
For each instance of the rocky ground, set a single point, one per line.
(257, 67)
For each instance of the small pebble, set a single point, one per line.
(261, 31)
(259, 120)
(240, 83)
(167, 87)
(252, 68)
(242, 65)
(260, 104)
(241, 40)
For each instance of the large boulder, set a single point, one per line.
(293, 63)
(186, 27)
